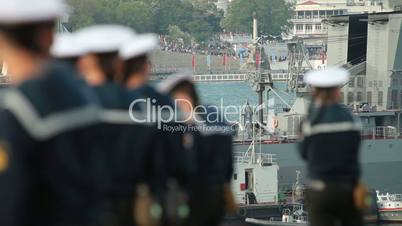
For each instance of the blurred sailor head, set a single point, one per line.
(327, 84)
(134, 55)
(180, 87)
(100, 64)
(66, 48)
(26, 33)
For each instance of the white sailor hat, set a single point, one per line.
(172, 81)
(104, 38)
(331, 77)
(139, 45)
(28, 11)
(66, 46)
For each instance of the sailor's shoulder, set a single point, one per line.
(160, 98)
(112, 96)
(51, 94)
(46, 109)
(341, 113)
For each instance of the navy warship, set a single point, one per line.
(371, 49)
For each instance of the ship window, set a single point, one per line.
(360, 82)
(350, 97)
(318, 27)
(369, 96)
(380, 98)
(394, 99)
(309, 27)
(235, 176)
(352, 82)
(359, 96)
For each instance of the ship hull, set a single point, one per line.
(391, 216)
(381, 162)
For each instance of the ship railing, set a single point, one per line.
(248, 157)
(381, 132)
(262, 198)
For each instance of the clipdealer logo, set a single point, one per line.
(172, 117)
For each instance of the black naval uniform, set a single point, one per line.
(178, 165)
(130, 149)
(173, 161)
(48, 145)
(213, 147)
(331, 148)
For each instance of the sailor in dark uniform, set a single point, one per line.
(47, 123)
(330, 145)
(211, 140)
(132, 145)
(174, 160)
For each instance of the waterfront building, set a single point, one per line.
(309, 15)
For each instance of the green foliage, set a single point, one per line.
(175, 34)
(199, 18)
(273, 16)
(137, 15)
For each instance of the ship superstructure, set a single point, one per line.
(370, 47)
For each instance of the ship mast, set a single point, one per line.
(260, 77)
(297, 55)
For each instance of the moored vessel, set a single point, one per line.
(389, 207)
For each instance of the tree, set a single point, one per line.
(136, 14)
(172, 12)
(175, 34)
(201, 20)
(273, 16)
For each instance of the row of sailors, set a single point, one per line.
(69, 152)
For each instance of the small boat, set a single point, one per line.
(295, 215)
(389, 207)
(273, 223)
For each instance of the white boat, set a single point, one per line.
(390, 207)
(295, 215)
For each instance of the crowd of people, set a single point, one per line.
(72, 155)
(179, 46)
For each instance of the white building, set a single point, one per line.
(307, 21)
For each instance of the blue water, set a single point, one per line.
(231, 93)
(237, 93)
